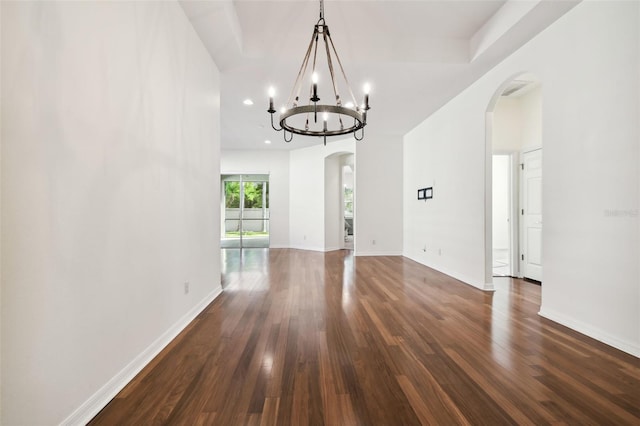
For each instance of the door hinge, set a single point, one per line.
(522, 212)
(522, 256)
(521, 166)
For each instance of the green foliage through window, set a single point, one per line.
(253, 194)
(348, 201)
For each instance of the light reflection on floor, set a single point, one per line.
(347, 279)
(249, 264)
(508, 302)
(247, 242)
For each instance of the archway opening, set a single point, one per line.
(339, 201)
(513, 181)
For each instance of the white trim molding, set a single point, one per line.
(333, 248)
(307, 248)
(464, 280)
(377, 253)
(632, 348)
(279, 246)
(92, 406)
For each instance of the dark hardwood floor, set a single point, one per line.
(301, 337)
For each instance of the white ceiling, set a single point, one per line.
(415, 54)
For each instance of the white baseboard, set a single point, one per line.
(377, 253)
(465, 280)
(308, 248)
(332, 248)
(632, 348)
(335, 248)
(92, 406)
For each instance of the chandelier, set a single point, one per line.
(315, 118)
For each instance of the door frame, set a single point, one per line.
(514, 207)
(343, 234)
(334, 199)
(243, 177)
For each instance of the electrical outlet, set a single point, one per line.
(186, 287)
(424, 249)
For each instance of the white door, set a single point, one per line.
(531, 211)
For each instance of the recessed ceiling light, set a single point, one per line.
(247, 102)
(267, 142)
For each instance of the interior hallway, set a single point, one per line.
(302, 337)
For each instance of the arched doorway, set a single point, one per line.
(513, 181)
(339, 200)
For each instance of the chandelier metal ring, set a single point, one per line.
(358, 118)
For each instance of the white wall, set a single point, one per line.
(588, 64)
(333, 217)
(507, 125)
(446, 232)
(517, 122)
(110, 192)
(276, 165)
(307, 189)
(531, 119)
(378, 196)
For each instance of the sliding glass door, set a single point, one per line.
(246, 211)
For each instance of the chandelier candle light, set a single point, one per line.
(303, 119)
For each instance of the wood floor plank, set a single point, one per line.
(270, 412)
(347, 415)
(309, 338)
